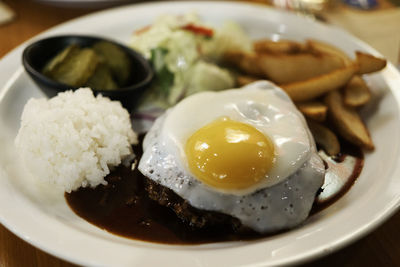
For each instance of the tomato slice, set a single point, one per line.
(207, 32)
(142, 30)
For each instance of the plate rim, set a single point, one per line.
(372, 225)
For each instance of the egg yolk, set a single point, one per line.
(227, 154)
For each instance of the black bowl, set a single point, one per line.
(37, 54)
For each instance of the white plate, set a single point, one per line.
(46, 222)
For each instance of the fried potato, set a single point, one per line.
(242, 80)
(283, 68)
(356, 93)
(315, 70)
(279, 47)
(368, 63)
(348, 121)
(324, 137)
(287, 68)
(318, 86)
(320, 46)
(245, 62)
(314, 110)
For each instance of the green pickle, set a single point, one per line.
(59, 59)
(104, 66)
(116, 60)
(102, 79)
(77, 68)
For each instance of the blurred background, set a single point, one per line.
(376, 22)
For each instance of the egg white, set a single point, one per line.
(281, 200)
(261, 105)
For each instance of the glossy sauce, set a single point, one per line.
(122, 207)
(338, 186)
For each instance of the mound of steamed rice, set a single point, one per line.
(73, 139)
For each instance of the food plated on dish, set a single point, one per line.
(199, 197)
(248, 163)
(67, 62)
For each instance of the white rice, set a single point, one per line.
(73, 139)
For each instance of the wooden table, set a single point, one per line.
(380, 248)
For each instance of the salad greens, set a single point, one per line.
(185, 54)
(164, 77)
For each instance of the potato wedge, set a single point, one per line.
(318, 86)
(287, 68)
(282, 47)
(347, 121)
(242, 80)
(314, 110)
(245, 62)
(356, 93)
(368, 63)
(315, 45)
(324, 137)
(283, 68)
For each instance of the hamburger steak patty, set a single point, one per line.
(196, 218)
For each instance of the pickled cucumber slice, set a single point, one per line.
(102, 79)
(77, 68)
(59, 58)
(116, 59)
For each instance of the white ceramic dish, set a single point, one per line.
(45, 220)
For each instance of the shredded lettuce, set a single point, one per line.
(157, 34)
(229, 37)
(164, 78)
(206, 76)
(184, 61)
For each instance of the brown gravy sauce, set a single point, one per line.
(347, 150)
(123, 208)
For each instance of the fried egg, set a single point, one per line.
(244, 152)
